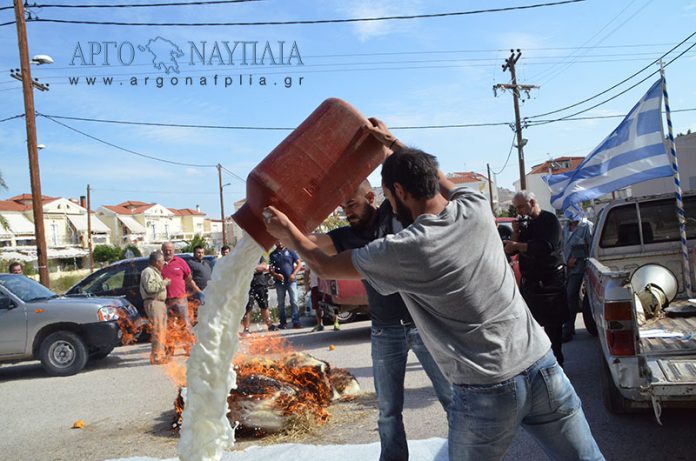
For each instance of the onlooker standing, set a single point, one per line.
(224, 251)
(312, 282)
(577, 239)
(179, 273)
(258, 291)
(200, 271)
(153, 289)
(285, 264)
(16, 268)
(537, 239)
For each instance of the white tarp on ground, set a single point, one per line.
(79, 221)
(18, 224)
(132, 224)
(434, 449)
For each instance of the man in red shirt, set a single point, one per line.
(176, 270)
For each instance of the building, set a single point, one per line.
(536, 184)
(686, 156)
(65, 225)
(477, 182)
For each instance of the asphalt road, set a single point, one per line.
(127, 407)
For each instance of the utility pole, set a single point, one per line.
(89, 229)
(222, 206)
(30, 117)
(516, 89)
(490, 188)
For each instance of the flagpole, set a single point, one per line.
(681, 215)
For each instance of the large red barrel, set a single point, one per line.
(319, 165)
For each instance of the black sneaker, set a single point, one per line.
(272, 328)
(296, 326)
(282, 326)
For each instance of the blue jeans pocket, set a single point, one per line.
(560, 393)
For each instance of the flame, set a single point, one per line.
(276, 385)
(129, 329)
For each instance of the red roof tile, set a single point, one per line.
(9, 205)
(544, 167)
(466, 177)
(187, 212)
(27, 198)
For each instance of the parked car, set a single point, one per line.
(63, 333)
(121, 278)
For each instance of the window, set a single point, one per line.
(658, 223)
(107, 281)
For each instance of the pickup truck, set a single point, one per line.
(647, 360)
(347, 298)
(62, 332)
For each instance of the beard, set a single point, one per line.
(363, 223)
(403, 214)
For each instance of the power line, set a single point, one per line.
(622, 92)
(11, 118)
(232, 173)
(276, 128)
(512, 144)
(147, 5)
(100, 189)
(6, 23)
(311, 21)
(151, 157)
(621, 82)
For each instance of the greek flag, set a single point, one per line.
(632, 153)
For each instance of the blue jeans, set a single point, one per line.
(291, 289)
(484, 419)
(390, 346)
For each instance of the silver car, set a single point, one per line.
(62, 332)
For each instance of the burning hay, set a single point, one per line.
(278, 389)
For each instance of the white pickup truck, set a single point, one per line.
(649, 356)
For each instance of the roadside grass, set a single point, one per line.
(62, 284)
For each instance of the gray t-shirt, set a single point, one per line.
(461, 292)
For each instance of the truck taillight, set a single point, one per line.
(621, 343)
(618, 311)
(619, 328)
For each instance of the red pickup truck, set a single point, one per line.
(345, 297)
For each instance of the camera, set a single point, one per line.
(523, 222)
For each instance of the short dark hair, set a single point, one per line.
(224, 247)
(415, 170)
(198, 247)
(14, 264)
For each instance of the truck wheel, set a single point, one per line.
(611, 397)
(590, 324)
(345, 317)
(63, 353)
(101, 354)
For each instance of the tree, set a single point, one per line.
(130, 251)
(106, 253)
(332, 222)
(197, 240)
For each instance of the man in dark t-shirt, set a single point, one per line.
(200, 271)
(258, 292)
(393, 332)
(537, 240)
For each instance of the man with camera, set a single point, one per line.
(537, 239)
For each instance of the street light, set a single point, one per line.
(24, 75)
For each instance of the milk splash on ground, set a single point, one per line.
(206, 432)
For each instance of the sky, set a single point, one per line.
(409, 73)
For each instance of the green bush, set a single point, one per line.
(197, 240)
(106, 253)
(129, 250)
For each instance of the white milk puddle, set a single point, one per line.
(206, 432)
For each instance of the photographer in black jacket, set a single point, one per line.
(537, 240)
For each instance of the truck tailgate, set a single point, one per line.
(673, 377)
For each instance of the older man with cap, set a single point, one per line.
(577, 239)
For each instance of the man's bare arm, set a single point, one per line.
(326, 266)
(324, 242)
